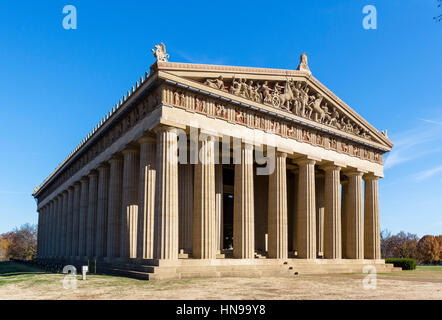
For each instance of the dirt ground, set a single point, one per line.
(19, 282)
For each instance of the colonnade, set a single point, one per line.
(141, 204)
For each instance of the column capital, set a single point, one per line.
(84, 179)
(329, 166)
(130, 149)
(354, 172)
(92, 173)
(147, 138)
(102, 166)
(281, 154)
(116, 157)
(164, 128)
(303, 159)
(371, 176)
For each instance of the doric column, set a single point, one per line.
(114, 206)
(91, 214)
(59, 224)
(294, 214)
(48, 229)
(355, 236)
(166, 203)
(243, 212)
(332, 213)
(185, 190)
(102, 203)
(43, 230)
(39, 230)
(64, 218)
(372, 233)
(344, 217)
(129, 218)
(83, 217)
(69, 222)
(146, 198)
(306, 218)
(320, 207)
(54, 227)
(277, 220)
(55, 242)
(76, 219)
(204, 219)
(219, 195)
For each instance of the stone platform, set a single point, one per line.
(217, 268)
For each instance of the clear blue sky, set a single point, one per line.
(56, 84)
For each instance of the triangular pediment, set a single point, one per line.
(292, 92)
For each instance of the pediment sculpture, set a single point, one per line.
(292, 96)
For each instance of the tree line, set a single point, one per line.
(427, 249)
(20, 243)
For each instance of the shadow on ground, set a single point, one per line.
(10, 268)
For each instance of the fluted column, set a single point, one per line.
(64, 218)
(47, 229)
(219, 195)
(320, 207)
(204, 219)
(129, 218)
(243, 213)
(69, 222)
(56, 238)
(44, 231)
(114, 206)
(355, 236)
(166, 203)
(39, 230)
(295, 209)
(146, 198)
(76, 219)
(102, 213)
(278, 237)
(83, 217)
(372, 233)
(185, 190)
(306, 218)
(91, 214)
(332, 213)
(344, 217)
(54, 227)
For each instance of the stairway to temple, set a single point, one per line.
(256, 268)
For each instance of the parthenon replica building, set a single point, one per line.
(209, 170)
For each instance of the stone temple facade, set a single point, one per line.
(208, 170)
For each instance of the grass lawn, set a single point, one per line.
(421, 272)
(429, 268)
(19, 282)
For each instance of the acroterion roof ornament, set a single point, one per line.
(303, 64)
(160, 53)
